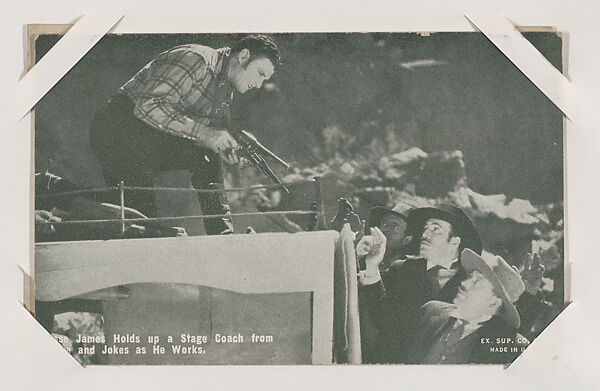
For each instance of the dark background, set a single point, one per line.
(470, 98)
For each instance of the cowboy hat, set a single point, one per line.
(379, 212)
(462, 226)
(506, 282)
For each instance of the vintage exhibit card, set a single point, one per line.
(297, 198)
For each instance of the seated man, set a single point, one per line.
(480, 326)
(392, 298)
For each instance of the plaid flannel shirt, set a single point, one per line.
(179, 91)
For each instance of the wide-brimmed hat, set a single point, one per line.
(462, 225)
(379, 212)
(506, 282)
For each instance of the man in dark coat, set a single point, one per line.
(394, 297)
(480, 326)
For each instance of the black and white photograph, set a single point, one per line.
(297, 198)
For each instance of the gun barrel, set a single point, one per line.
(264, 167)
(256, 144)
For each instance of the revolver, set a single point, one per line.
(250, 147)
(253, 150)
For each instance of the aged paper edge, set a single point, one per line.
(35, 30)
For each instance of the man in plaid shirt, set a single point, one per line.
(169, 117)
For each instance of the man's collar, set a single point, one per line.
(446, 265)
(472, 325)
(223, 64)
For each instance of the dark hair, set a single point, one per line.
(452, 234)
(451, 231)
(259, 46)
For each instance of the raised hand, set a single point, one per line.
(345, 214)
(532, 273)
(364, 245)
(374, 246)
